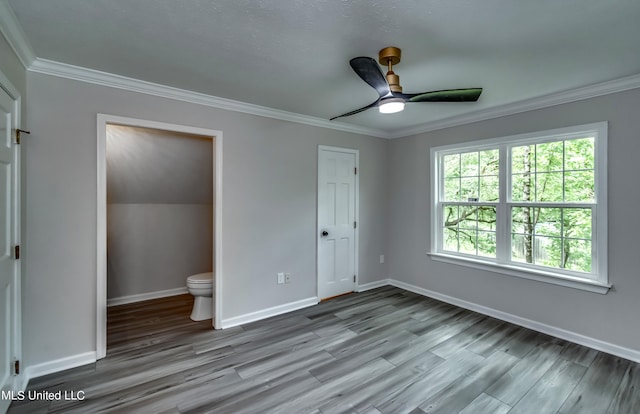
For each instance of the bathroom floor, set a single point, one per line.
(140, 324)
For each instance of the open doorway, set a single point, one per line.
(123, 213)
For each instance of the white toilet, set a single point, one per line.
(201, 287)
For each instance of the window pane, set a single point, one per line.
(577, 223)
(450, 232)
(547, 251)
(579, 154)
(522, 220)
(522, 187)
(549, 186)
(450, 216)
(548, 221)
(452, 189)
(522, 159)
(577, 255)
(468, 240)
(549, 156)
(469, 188)
(487, 218)
(469, 217)
(517, 248)
(452, 165)
(469, 162)
(450, 240)
(489, 162)
(489, 188)
(486, 244)
(579, 186)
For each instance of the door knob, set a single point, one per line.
(324, 233)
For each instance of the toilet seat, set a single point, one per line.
(201, 278)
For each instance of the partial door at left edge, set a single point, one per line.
(9, 236)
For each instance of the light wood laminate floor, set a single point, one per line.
(385, 350)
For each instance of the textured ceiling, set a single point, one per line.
(293, 55)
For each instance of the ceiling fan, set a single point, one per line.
(391, 98)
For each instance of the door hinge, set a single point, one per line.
(354, 225)
(16, 367)
(354, 278)
(16, 252)
(355, 170)
(18, 132)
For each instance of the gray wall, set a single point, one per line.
(154, 247)
(612, 317)
(159, 209)
(269, 207)
(11, 67)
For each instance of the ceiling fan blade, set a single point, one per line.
(357, 110)
(370, 72)
(451, 95)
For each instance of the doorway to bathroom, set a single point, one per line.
(159, 212)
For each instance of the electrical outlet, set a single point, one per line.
(280, 278)
(287, 278)
(381, 258)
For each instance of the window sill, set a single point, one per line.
(540, 276)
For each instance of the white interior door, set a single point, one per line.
(337, 217)
(9, 233)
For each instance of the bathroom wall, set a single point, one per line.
(159, 209)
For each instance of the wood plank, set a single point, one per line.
(627, 397)
(464, 390)
(373, 390)
(596, 390)
(486, 404)
(550, 392)
(414, 394)
(513, 385)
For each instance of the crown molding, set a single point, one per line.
(12, 31)
(96, 77)
(573, 95)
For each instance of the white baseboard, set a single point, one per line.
(50, 367)
(373, 285)
(146, 296)
(597, 344)
(267, 313)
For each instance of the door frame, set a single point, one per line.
(15, 238)
(101, 246)
(356, 253)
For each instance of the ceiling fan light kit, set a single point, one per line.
(391, 106)
(391, 99)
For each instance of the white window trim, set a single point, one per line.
(598, 282)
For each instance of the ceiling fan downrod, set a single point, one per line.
(390, 56)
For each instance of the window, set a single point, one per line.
(531, 205)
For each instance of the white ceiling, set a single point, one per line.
(293, 55)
